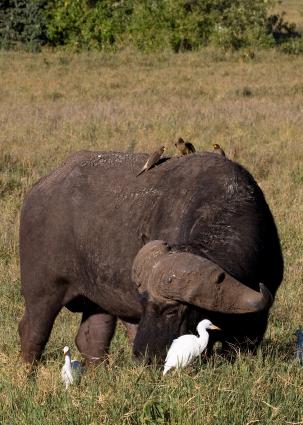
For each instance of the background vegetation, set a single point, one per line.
(146, 24)
(55, 103)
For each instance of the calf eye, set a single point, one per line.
(220, 277)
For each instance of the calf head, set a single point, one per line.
(172, 284)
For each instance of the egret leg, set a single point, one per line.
(94, 335)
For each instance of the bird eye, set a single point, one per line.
(220, 277)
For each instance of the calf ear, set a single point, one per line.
(144, 261)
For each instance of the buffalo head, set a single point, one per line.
(172, 284)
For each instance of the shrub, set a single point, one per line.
(154, 24)
(81, 23)
(292, 46)
(23, 23)
(191, 23)
(147, 28)
(241, 23)
(146, 24)
(281, 30)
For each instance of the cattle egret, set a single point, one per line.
(71, 370)
(299, 346)
(152, 160)
(187, 347)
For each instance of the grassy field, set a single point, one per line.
(55, 103)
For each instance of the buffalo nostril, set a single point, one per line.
(220, 277)
(137, 354)
(138, 357)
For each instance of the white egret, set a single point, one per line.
(71, 370)
(187, 347)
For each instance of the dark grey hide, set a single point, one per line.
(83, 225)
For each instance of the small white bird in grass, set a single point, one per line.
(72, 369)
(187, 347)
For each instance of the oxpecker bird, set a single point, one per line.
(187, 347)
(183, 147)
(72, 369)
(152, 160)
(299, 346)
(218, 149)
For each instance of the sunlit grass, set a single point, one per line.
(55, 103)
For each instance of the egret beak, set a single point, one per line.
(213, 327)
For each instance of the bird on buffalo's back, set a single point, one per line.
(187, 347)
(185, 148)
(152, 160)
(218, 149)
(72, 369)
(299, 346)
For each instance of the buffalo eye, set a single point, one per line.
(220, 277)
(170, 278)
(172, 312)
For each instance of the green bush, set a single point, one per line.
(147, 28)
(84, 24)
(145, 24)
(242, 23)
(23, 23)
(191, 23)
(281, 30)
(293, 46)
(157, 24)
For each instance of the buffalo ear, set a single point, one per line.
(144, 238)
(144, 261)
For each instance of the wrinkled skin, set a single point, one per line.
(85, 237)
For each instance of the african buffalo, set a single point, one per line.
(192, 237)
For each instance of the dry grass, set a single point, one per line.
(54, 103)
(294, 11)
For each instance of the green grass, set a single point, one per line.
(55, 103)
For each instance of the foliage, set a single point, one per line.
(293, 46)
(158, 24)
(80, 23)
(241, 23)
(22, 22)
(146, 24)
(280, 29)
(191, 23)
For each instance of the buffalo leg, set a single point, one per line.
(36, 325)
(131, 330)
(94, 335)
